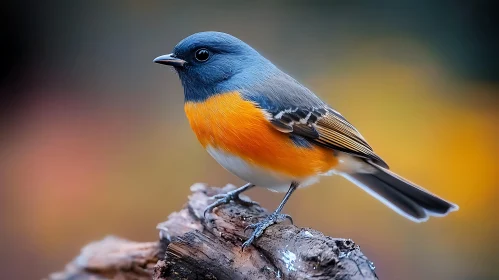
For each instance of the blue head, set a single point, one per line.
(210, 63)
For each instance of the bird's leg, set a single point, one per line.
(273, 218)
(226, 198)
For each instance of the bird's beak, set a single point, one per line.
(169, 59)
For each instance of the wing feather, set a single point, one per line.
(327, 128)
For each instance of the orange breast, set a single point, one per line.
(227, 122)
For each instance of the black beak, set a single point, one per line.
(169, 59)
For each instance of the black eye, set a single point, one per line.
(202, 55)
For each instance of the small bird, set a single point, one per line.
(269, 130)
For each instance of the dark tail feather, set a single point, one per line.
(406, 198)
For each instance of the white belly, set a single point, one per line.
(256, 175)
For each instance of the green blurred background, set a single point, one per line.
(94, 141)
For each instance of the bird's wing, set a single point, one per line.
(296, 110)
(326, 127)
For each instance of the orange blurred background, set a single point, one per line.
(94, 141)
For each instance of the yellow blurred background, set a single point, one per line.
(94, 141)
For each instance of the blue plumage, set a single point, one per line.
(232, 66)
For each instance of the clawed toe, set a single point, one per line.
(221, 199)
(286, 216)
(210, 207)
(247, 243)
(260, 227)
(252, 226)
(226, 198)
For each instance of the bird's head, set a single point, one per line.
(210, 63)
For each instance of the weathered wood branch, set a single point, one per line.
(191, 247)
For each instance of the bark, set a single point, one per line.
(192, 247)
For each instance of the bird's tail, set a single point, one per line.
(404, 197)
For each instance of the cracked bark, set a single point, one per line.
(191, 247)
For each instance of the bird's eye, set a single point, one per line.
(202, 55)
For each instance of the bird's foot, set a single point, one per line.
(226, 198)
(259, 228)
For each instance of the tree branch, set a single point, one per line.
(191, 247)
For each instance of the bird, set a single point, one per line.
(266, 128)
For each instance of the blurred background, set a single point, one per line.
(94, 141)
